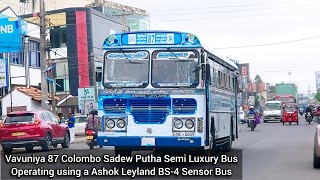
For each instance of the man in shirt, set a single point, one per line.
(71, 122)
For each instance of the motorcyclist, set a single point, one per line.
(250, 112)
(309, 109)
(92, 121)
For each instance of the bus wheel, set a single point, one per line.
(228, 146)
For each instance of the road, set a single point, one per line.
(273, 151)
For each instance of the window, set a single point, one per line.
(16, 58)
(58, 37)
(229, 83)
(60, 85)
(219, 78)
(46, 116)
(211, 76)
(53, 117)
(34, 54)
(1, 55)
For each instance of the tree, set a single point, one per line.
(317, 96)
(256, 101)
(272, 89)
(258, 79)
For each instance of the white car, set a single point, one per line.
(80, 125)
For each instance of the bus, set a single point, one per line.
(163, 90)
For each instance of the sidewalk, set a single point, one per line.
(79, 139)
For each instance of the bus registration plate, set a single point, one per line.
(183, 133)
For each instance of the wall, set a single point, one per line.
(35, 75)
(98, 21)
(26, 8)
(18, 99)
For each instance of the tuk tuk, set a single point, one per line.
(290, 114)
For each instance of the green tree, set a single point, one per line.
(317, 96)
(272, 89)
(256, 101)
(258, 79)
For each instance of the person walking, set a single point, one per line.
(71, 122)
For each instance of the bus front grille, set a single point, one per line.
(150, 110)
(115, 106)
(184, 106)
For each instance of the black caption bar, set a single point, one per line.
(98, 163)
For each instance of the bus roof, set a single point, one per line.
(166, 39)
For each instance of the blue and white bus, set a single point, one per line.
(163, 89)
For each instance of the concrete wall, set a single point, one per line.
(16, 70)
(100, 28)
(18, 99)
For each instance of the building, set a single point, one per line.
(76, 37)
(135, 18)
(22, 99)
(19, 49)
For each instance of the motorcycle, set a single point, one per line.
(91, 137)
(301, 112)
(251, 121)
(309, 117)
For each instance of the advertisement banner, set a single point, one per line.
(10, 35)
(318, 80)
(3, 73)
(85, 95)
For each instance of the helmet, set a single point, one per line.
(93, 112)
(251, 107)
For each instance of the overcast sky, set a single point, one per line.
(226, 25)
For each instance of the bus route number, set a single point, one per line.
(151, 38)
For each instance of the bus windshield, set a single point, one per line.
(126, 69)
(175, 68)
(272, 106)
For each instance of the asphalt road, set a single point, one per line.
(273, 151)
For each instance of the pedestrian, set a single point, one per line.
(71, 122)
(61, 120)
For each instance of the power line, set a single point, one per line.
(269, 44)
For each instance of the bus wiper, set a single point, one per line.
(127, 58)
(173, 53)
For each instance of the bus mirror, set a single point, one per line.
(98, 74)
(206, 72)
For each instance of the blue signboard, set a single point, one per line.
(10, 35)
(151, 38)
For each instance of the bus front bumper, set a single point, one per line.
(132, 141)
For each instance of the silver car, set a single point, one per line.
(316, 154)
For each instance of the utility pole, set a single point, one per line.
(43, 58)
(94, 78)
(124, 20)
(50, 73)
(26, 60)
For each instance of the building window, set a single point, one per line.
(34, 54)
(16, 58)
(60, 86)
(58, 37)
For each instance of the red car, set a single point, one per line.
(33, 128)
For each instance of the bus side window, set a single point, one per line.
(219, 78)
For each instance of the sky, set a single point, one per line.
(280, 39)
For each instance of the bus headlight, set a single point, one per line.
(121, 123)
(178, 124)
(189, 124)
(110, 124)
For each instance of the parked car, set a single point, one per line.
(316, 153)
(33, 128)
(80, 125)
